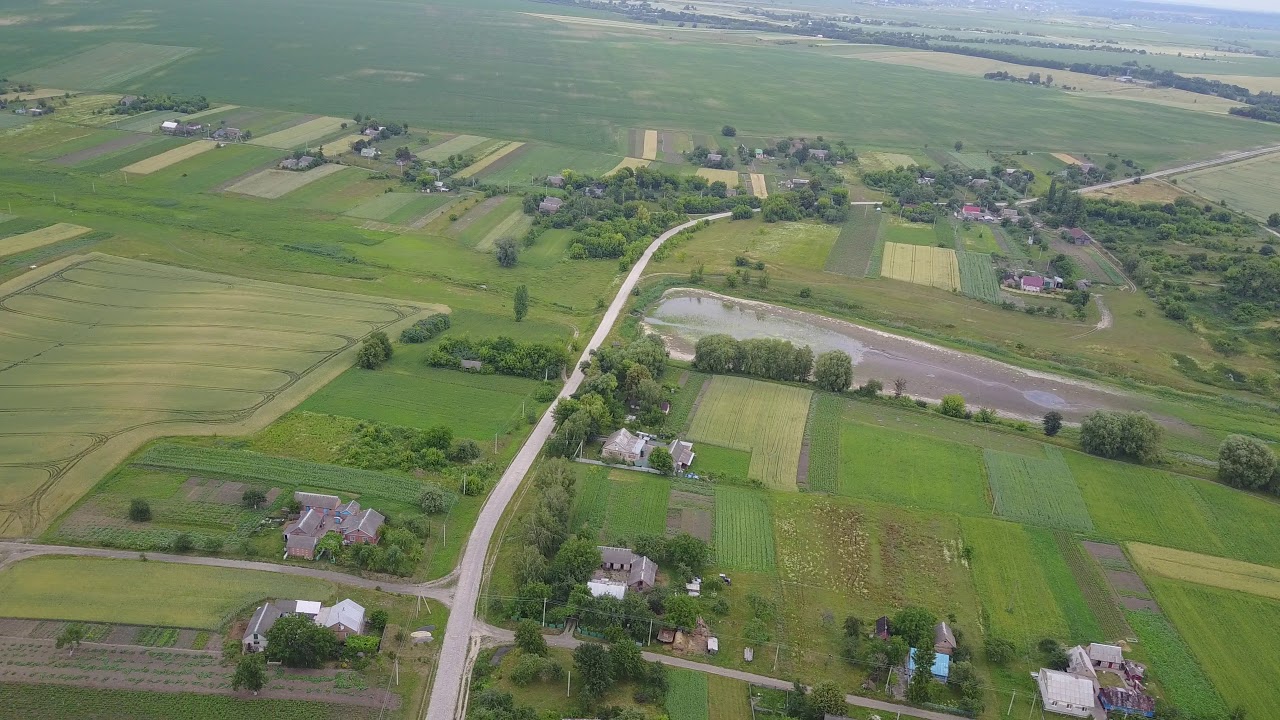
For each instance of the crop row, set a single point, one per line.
(1037, 491)
(978, 278)
(280, 471)
(157, 637)
(59, 701)
(1175, 667)
(744, 530)
(823, 430)
(1097, 592)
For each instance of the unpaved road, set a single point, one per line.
(463, 632)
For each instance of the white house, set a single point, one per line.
(612, 588)
(345, 618)
(1065, 694)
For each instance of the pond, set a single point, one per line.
(683, 316)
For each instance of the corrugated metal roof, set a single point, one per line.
(1063, 688)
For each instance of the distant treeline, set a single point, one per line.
(165, 101)
(759, 357)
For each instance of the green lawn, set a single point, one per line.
(637, 506)
(138, 593)
(910, 233)
(721, 461)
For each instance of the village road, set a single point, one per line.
(463, 632)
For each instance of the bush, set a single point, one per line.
(953, 406)
(139, 510)
(434, 500)
(998, 650)
(183, 543)
(742, 212)
(1052, 423)
(253, 498)
(871, 389)
(426, 329)
(376, 622)
(464, 450)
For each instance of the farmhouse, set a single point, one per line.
(1079, 237)
(941, 669)
(303, 163)
(636, 572)
(321, 514)
(1009, 214)
(944, 641)
(228, 134)
(255, 634)
(1065, 694)
(682, 453)
(714, 160)
(925, 181)
(1031, 283)
(759, 154)
(345, 618)
(1079, 664)
(979, 183)
(1107, 657)
(622, 445)
(555, 181)
(370, 152)
(550, 206)
(971, 212)
(127, 100)
(819, 155)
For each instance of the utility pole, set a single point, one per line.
(568, 681)
(1011, 699)
(544, 612)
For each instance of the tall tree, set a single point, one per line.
(521, 304)
(1245, 462)
(595, 668)
(833, 371)
(1052, 423)
(297, 641)
(529, 638)
(506, 252)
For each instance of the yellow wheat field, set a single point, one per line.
(650, 145)
(629, 162)
(935, 267)
(1066, 158)
(489, 159)
(1208, 570)
(303, 134)
(758, 186)
(341, 146)
(728, 177)
(159, 162)
(40, 238)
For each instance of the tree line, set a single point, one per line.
(501, 355)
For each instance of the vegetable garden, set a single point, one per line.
(1037, 491)
(743, 530)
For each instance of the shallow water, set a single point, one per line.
(683, 316)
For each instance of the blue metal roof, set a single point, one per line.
(941, 665)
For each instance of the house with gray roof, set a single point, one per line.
(323, 514)
(625, 446)
(345, 618)
(621, 565)
(550, 205)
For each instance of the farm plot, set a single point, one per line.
(758, 186)
(764, 419)
(1098, 594)
(935, 267)
(687, 696)
(1173, 662)
(271, 184)
(507, 219)
(112, 162)
(925, 472)
(382, 206)
(115, 352)
(39, 238)
(459, 144)
(723, 462)
(1015, 592)
(84, 703)
(728, 177)
(105, 66)
(591, 501)
(1261, 580)
(1082, 625)
(1240, 663)
(637, 506)
(973, 160)
(629, 162)
(340, 146)
(169, 157)
(649, 145)
(489, 160)
(978, 277)
(1039, 491)
(534, 163)
(692, 513)
(904, 232)
(116, 144)
(1246, 185)
(728, 699)
(886, 160)
(823, 434)
(123, 591)
(743, 530)
(672, 144)
(854, 247)
(302, 134)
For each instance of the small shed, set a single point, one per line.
(555, 181)
(714, 159)
(472, 365)
(1110, 657)
(1127, 701)
(666, 636)
(613, 589)
(1079, 237)
(713, 645)
(944, 641)
(819, 154)
(748, 654)
(941, 669)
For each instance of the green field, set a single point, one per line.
(978, 276)
(126, 591)
(687, 695)
(637, 506)
(1173, 662)
(453, 146)
(1245, 186)
(744, 530)
(1098, 593)
(1018, 593)
(383, 206)
(902, 469)
(65, 701)
(535, 162)
(1240, 662)
(910, 233)
(1160, 508)
(727, 699)
(591, 500)
(116, 352)
(1038, 491)
(856, 243)
(105, 66)
(765, 419)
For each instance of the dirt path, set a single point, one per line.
(1104, 321)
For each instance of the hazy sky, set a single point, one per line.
(1259, 5)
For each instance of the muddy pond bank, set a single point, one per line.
(682, 316)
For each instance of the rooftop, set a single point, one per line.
(1061, 687)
